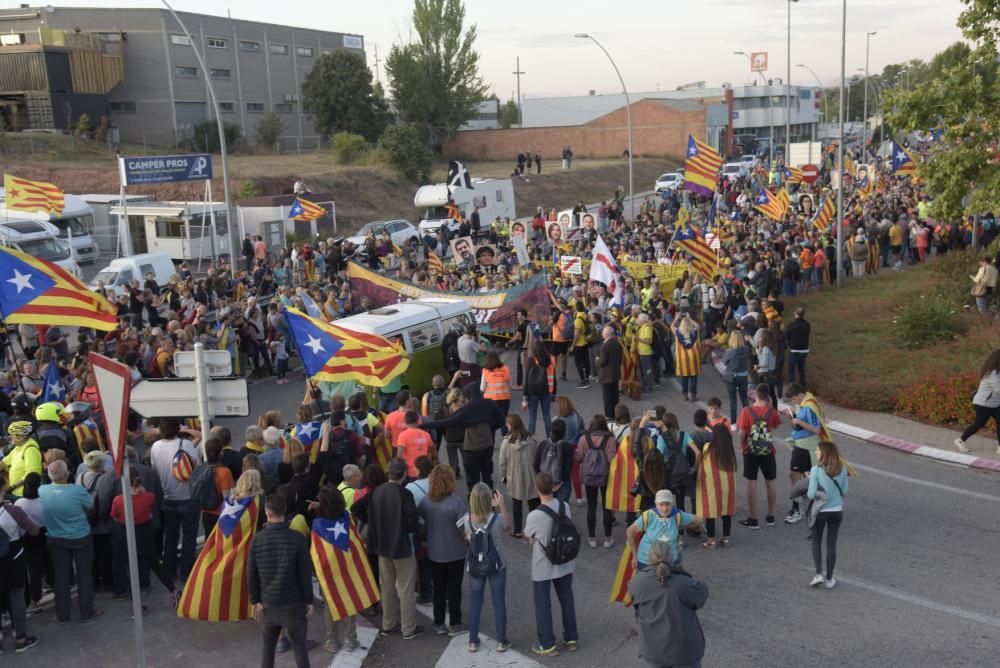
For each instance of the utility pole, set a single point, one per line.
(517, 72)
(377, 61)
(840, 149)
(864, 124)
(788, 86)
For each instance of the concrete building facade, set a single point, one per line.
(255, 68)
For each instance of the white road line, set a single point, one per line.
(457, 655)
(889, 592)
(927, 483)
(366, 637)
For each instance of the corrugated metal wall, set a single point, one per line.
(94, 72)
(22, 72)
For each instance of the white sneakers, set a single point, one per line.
(962, 447)
(820, 580)
(830, 584)
(609, 542)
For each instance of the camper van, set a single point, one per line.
(422, 325)
(123, 270)
(77, 218)
(40, 239)
(493, 197)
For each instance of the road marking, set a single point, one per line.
(457, 655)
(366, 637)
(889, 592)
(927, 483)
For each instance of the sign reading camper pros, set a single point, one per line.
(165, 169)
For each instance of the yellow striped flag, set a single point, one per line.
(622, 474)
(36, 292)
(396, 250)
(794, 175)
(303, 209)
(691, 240)
(701, 167)
(454, 212)
(827, 212)
(342, 567)
(382, 447)
(24, 195)
(773, 206)
(434, 263)
(619, 588)
(217, 588)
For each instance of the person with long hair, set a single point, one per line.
(767, 362)
(539, 386)
(483, 508)
(716, 493)
(574, 429)
(595, 450)
(495, 382)
(341, 634)
(830, 474)
(442, 511)
(676, 444)
(687, 354)
(652, 478)
(517, 458)
(985, 402)
(737, 361)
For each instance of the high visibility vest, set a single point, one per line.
(497, 384)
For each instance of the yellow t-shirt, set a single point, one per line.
(580, 329)
(646, 332)
(895, 236)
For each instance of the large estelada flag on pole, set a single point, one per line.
(37, 292)
(24, 195)
(903, 163)
(701, 167)
(342, 567)
(691, 240)
(622, 474)
(603, 268)
(217, 589)
(332, 353)
(773, 206)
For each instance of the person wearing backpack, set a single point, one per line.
(518, 451)
(573, 424)
(24, 458)
(15, 525)
(554, 546)
(485, 561)
(757, 423)
(94, 480)
(339, 447)
(664, 523)
(595, 450)
(539, 386)
(556, 456)
(434, 405)
(681, 457)
(174, 459)
(210, 484)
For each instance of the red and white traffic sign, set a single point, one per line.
(114, 384)
(810, 173)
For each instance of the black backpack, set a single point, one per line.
(564, 541)
(550, 459)
(4, 541)
(483, 560)
(681, 470)
(436, 404)
(201, 484)
(536, 379)
(341, 454)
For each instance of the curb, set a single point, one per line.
(899, 445)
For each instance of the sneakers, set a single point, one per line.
(457, 630)
(503, 646)
(284, 644)
(418, 630)
(817, 581)
(793, 516)
(580, 502)
(769, 520)
(608, 542)
(474, 646)
(385, 633)
(439, 629)
(544, 651)
(24, 644)
(962, 447)
(592, 542)
(583, 386)
(331, 646)
(830, 583)
(751, 523)
(571, 646)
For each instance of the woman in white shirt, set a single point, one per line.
(986, 401)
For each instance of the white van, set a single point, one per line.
(77, 217)
(123, 270)
(493, 197)
(40, 239)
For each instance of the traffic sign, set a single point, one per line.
(173, 397)
(570, 264)
(218, 363)
(114, 382)
(810, 173)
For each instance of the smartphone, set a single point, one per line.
(466, 373)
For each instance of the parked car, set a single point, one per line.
(749, 161)
(669, 182)
(400, 231)
(733, 170)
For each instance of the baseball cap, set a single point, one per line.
(665, 496)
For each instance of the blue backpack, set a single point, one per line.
(482, 560)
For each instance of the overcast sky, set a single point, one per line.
(662, 43)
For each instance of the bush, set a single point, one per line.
(269, 131)
(205, 137)
(348, 148)
(924, 322)
(941, 399)
(248, 190)
(407, 151)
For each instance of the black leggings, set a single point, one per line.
(983, 415)
(595, 495)
(447, 579)
(831, 522)
(518, 506)
(727, 525)
(581, 356)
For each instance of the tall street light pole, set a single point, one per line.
(628, 112)
(788, 85)
(840, 149)
(770, 105)
(517, 72)
(822, 92)
(864, 126)
(230, 221)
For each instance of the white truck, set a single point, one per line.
(77, 218)
(39, 238)
(492, 197)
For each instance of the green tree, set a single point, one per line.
(407, 151)
(960, 98)
(205, 137)
(338, 92)
(269, 131)
(347, 147)
(435, 80)
(508, 114)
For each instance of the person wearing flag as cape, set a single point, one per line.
(808, 429)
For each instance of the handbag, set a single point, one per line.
(979, 289)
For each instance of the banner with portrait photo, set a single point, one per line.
(463, 249)
(486, 256)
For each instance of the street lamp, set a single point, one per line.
(864, 126)
(840, 148)
(628, 113)
(788, 85)
(820, 83)
(770, 104)
(218, 123)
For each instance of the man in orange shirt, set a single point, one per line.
(394, 420)
(413, 442)
(223, 482)
(806, 262)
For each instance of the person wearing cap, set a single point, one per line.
(663, 523)
(24, 458)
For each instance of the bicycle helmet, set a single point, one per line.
(19, 428)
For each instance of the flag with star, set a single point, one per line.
(36, 292)
(903, 163)
(826, 214)
(342, 567)
(307, 434)
(54, 388)
(434, 263)
(794, 175)
(217, 589)
(774, 206)
(701, 167)
(333, 353)
(303, 209)
(690, 239)
(24, 195)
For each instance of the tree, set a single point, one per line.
(205, 137)
(338, 92)
(508, 114)
(961, 99)
(269, 131)
(407, 151)
(435, 80)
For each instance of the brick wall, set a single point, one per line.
(657, 130)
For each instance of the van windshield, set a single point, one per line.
(80, 225)
(436, 213)
(47, 249)
(107, 277)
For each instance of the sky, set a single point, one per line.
(657, 44)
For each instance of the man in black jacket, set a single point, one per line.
(609, 370)
(392, 517)
(797, 337)
(279, 574)
(481, 418)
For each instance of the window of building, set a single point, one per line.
(353, 42)
(227, 107)
(186, 72)
(180, 40)
(278, 49)
(167, 228)
(110, 36)
(255, 107)
(304, 51)
(217, 43)
(283, 107)
(252, 47)
(221, 74)
(122, 107)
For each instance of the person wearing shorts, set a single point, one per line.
(754, 463)
(804, 439)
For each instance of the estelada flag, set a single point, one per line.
(342, 567)
(382, 446)
(434, 263)
(619, 589)
(24, 195)
(37, 292)
(701, 167)
(821, 221)
(622, 474)
(304, 210)
(687, 354)
(217, 588)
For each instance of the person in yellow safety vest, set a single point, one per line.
(24, 458)
(84, 427)
(495, 383)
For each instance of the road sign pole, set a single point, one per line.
(201, 383)
(133, 565)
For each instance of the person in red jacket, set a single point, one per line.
(142, 516)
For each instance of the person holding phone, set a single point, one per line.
(488, 513)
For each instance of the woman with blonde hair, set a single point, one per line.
(517, 468)
(484, 507)
(441, 511)
(828, 477)
(292, 448)
(687, 354)
(736, 375)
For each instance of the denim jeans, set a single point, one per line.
(534, 401)
(788, 287)
(477, 596)
(739, 385)
(180, 520)
(66, 553)
(543, 610)
(797, 362)
(646, 371)
(689, 384)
